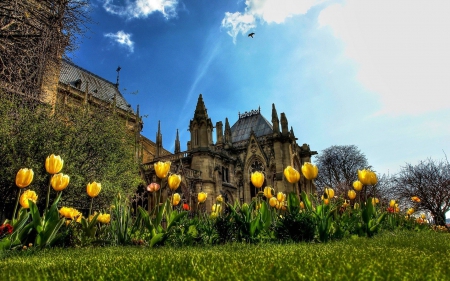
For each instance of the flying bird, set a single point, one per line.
(251, 34)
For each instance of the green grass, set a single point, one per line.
(388, 256)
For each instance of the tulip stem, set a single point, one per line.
(48, 194)
(17, 203)
(90, 208)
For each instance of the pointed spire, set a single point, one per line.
(219, 132)
(284, 125)
(177, 144)
(200, 110)
(292, 132)
(275, 121)
(227, 132)
(158, 140)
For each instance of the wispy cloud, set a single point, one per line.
(269, 11)
(142, 8)
(401, 51)
(122, 38)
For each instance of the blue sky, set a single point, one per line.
(372, 73)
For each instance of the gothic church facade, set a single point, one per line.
(224, 168)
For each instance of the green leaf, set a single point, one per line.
(293, 203)
(156, 238)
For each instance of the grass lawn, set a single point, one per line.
(388, 256)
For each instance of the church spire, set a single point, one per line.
(177, 144)
(227, 132)
(275, 121)
(200, 110)
(284, 125)
(158, 140)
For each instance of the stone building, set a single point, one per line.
(251, 144)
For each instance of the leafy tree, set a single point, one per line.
(94, 144)
(430, 181)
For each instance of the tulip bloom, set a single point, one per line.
(357, 185)
(24, 177)
(219, 199)
(54, 164)
(27, 195)
(176, 198)
(153, 187)
(345, 204)
(309, 171)
(273, 202)
(59, 181)
(351, 194)
(392, 203)
(69, 213)
(174, 181)
(281, 196)
(104, 218)
(291, 174)
(367, 177)
(375, 201)
(329, 192)
(93, 189)
(217, 208)
(186, 207)
(257, 179)
(162, 168)
(415, 199)
(202, 197)
(410, 211)
(302, 205)
(268, 192)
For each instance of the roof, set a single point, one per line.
(247, 122)
(98, 87)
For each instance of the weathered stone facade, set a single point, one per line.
(251, 144)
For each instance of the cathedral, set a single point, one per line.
(224, 168)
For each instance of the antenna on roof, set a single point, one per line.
(118, 72)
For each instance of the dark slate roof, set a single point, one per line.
(242, 128)
(98, 86)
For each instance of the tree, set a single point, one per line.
(34, 35)
(94, 144)
(430, 181)
(338, 166)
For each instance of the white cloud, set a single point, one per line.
(402, 48)
(142, 8)
(122, 38)
(270, 11)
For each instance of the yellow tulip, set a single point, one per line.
(59, 181)
(176, 198)
(24, 177)
(351, 194)
(356, 206)
(273, 202)
(329, 192)
(214, 215)
(69, 213)
(410, 211)
(415, 199)
(326, 201)
(219, 199)
(281, 196)
(392, 203)
(423, 216)
(302, 205)
(375, 201)
(93, 189)
(309, 171)
(104, 218)
(216, 208)
(174, 181)
(268, 192)
(202, 197)
(357, 185)
(27, 195)
(162, 168)
(367, 177)
(291, 174)
(257, 179)
(53, 164)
